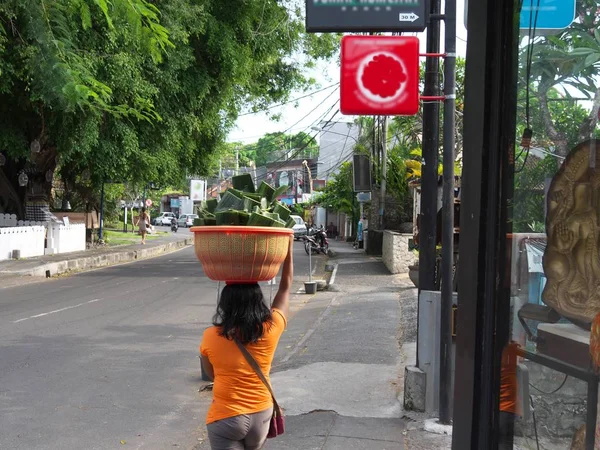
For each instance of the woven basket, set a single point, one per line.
(241, 254)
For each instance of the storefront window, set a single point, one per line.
(547, 377)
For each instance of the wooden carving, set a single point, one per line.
(572, 257)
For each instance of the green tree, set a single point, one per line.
(338, 192)
(568, 61)
(125, 92)
(280, 146)
(563, 66)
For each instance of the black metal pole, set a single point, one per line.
(448, 214)
(429, 171)
(100, 231)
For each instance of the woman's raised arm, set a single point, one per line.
(282, 299)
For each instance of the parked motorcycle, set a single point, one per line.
(174, 225)
(316, 241)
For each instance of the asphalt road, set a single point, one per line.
(107, 359)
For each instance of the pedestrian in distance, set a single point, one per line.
(243, 405)
(143, 223)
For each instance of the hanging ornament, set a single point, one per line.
(49, 176)
(23, 179)
(35, 146)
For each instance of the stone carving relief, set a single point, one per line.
(572, 256)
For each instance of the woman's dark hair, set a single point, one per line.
(144, 209)
(242, 313)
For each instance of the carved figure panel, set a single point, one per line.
(572, 257)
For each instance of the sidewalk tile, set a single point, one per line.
(340, 443)
(369, 428)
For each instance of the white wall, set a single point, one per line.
(66, 238)
(29, 240)
(395, 253)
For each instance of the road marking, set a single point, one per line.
(333, 274)
(93, 301)
(57, 310)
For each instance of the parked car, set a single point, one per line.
(299, 228)
(186, 220)
(164, 218)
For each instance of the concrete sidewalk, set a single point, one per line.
(53, 265)
(341, 384)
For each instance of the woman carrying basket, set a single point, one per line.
(242, 407)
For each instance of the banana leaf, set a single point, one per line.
(260, 220)
(250, 204)
(243, 182)
(279, 191)
(211, 205)
(265, 190)
(283, 211)
(230, 200)
(231, 217)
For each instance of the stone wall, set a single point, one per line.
(394, 215)
(396, 255)
(559, 414)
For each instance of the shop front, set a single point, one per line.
(529, 259)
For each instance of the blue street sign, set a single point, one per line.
(551, 15)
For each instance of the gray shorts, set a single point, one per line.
(244, 432)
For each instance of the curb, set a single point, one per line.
(104, 260)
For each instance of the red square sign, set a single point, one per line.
(380, 75)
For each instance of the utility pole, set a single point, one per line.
(219, 177)
(253, 165)
(384, 133)
(237, 161)
(448, 213)
(100, 230)
(431, 141)
(429, 178)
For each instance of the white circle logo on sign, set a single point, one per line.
(381, 77)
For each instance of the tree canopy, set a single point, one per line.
(563, 67)
(137, 91)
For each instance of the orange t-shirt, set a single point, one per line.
(237, 389)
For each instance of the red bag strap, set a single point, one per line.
(258, 371)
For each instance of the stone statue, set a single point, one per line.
(572, 256)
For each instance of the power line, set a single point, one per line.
(326, 98)
(341, 161)
(287, 130)
(312, 138)
(288, 102)
(236, 139)
(295, 154)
